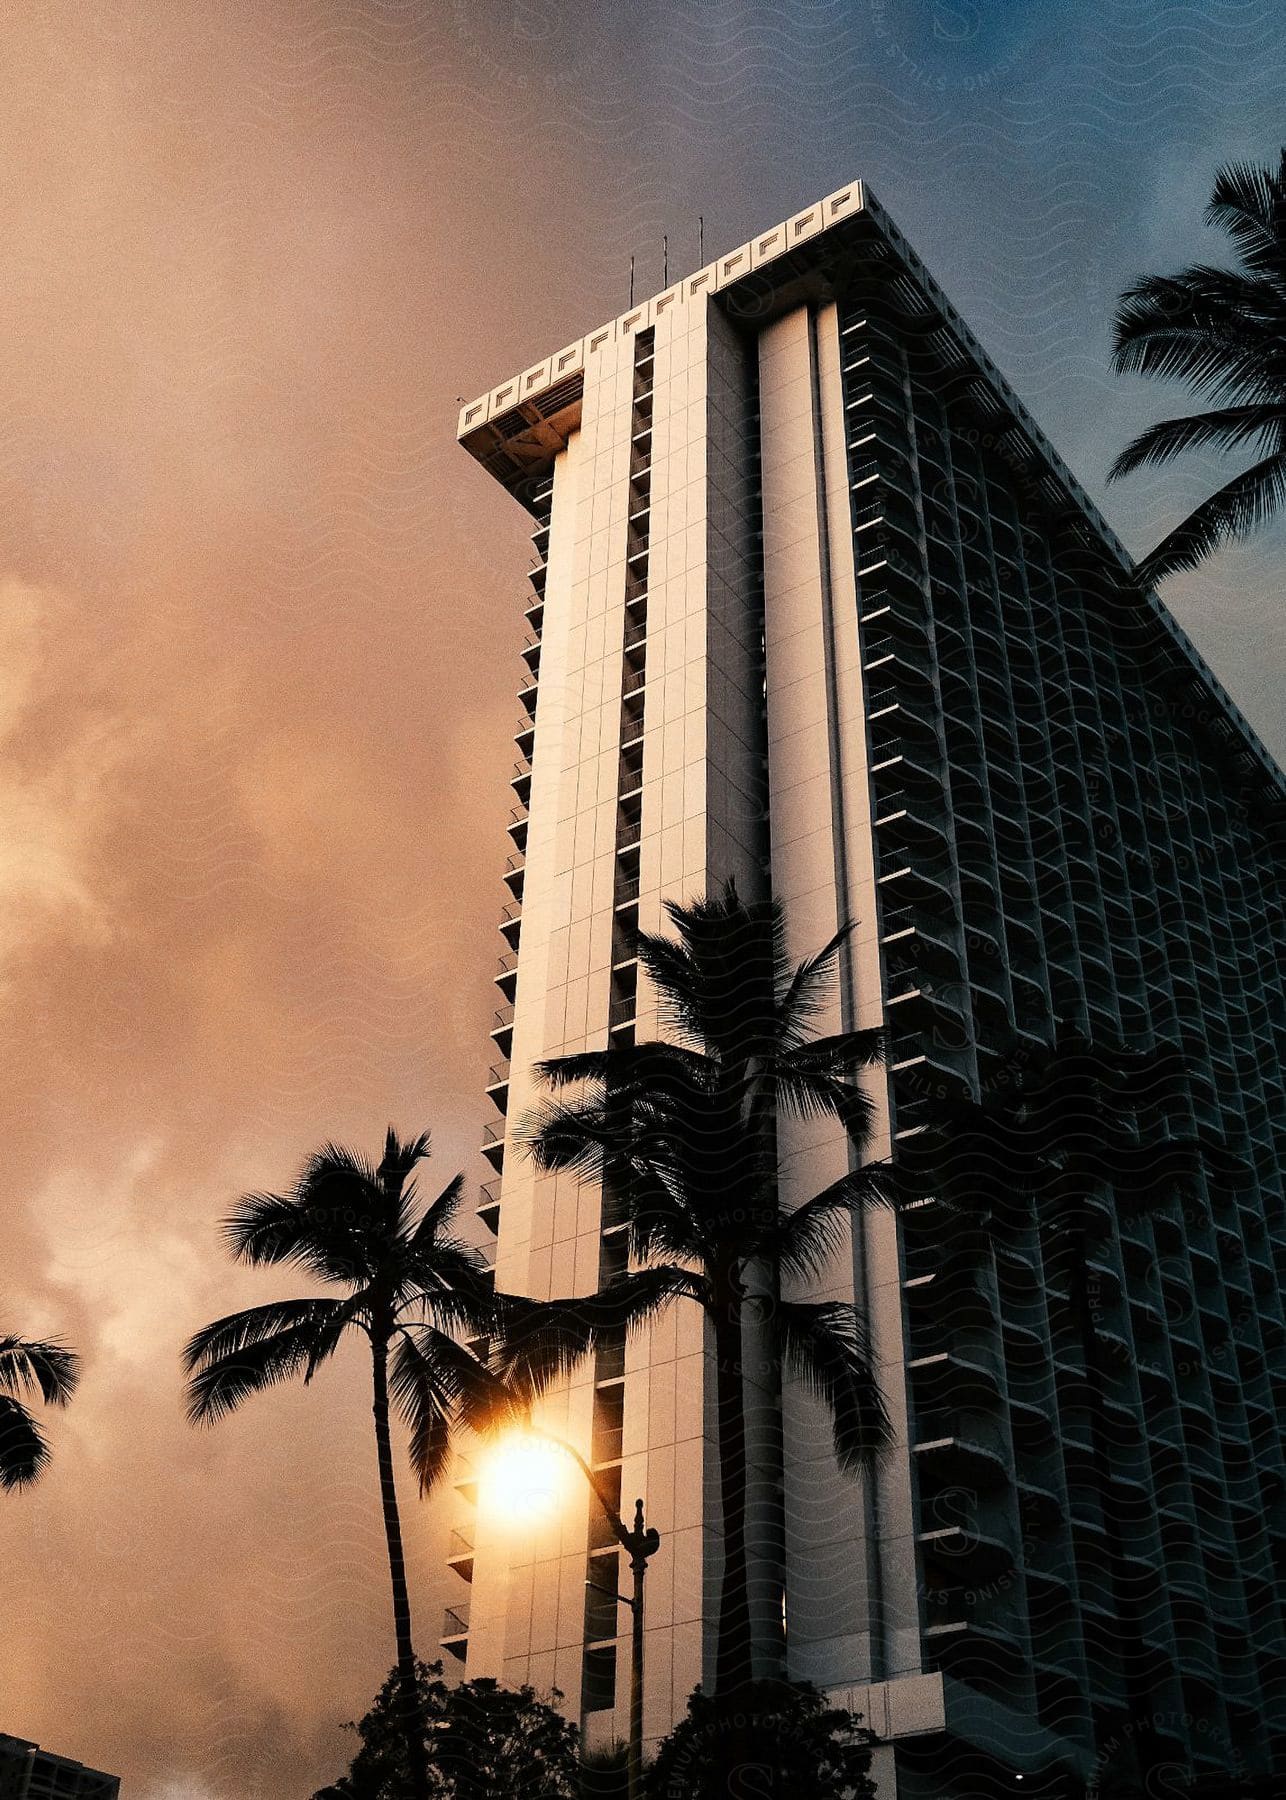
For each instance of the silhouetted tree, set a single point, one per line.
(478, 1740)
(28, 1368)
(1223, 332)
(409, 1286)
(775, 1739)
(605, 1774)
(685, 1132)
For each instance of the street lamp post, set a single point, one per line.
(640, 1543)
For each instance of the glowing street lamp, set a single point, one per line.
(522, 1478)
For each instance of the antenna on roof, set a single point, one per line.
(701, 240)
(631, 281)
(665, 259)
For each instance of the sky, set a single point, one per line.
(259, 623)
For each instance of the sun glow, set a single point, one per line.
(522, 1479)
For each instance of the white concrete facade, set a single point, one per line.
(710, 593)
(700, 820)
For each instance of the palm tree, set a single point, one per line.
(1223, 332)
(1054, 1152)
(683, 1132)
(409, 1286)
(27, 1368)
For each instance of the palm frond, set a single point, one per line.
(1227, 428)
(1250, 499)
(840, 1054)
(24, 1454)
(354, 1211)
(680, 990)
(542, 1340)
(50, 1369)
(630, 1066)
(469, 1390)
(438, 1215)
(1249, 203)
(662, 1223)
(397, 1181)
(824, 1097)
(810, 986)
(319, 1227)
(719, 984)
(424, 1387)
(223, 1379)
(823, 1345)
(580, 1136)
(1210, 327)
(804, 1240)
(227, 1336)
(451, 1285)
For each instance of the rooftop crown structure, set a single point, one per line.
(818, 609)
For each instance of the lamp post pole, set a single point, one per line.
(640, 1543)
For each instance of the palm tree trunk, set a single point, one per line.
(416, 1759)
(734, 1665)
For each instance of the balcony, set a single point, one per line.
(515, 869)
(502, 1030)
(974, 1555)
(460, 1554)
(489, 1206)
(455, 1631)
(507, 975)
(973, 1651)
(917, 937)
(517, 828)
(956, 1379)
(493, 1145)
(629, 835)
(622, 1014)
(975, 1457)
(511, 924)
(498, 1086)
(922, 1010)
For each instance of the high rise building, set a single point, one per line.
(817, 607)
(29, 1773)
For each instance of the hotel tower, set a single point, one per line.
(815, 606)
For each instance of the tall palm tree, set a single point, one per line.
(684, 1131)
(1223, 332)
(1054, 1152)
(409, 1286)
(26, 1369)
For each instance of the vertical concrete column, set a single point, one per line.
(702, 824)
(528, 1601)
(852, 1611)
